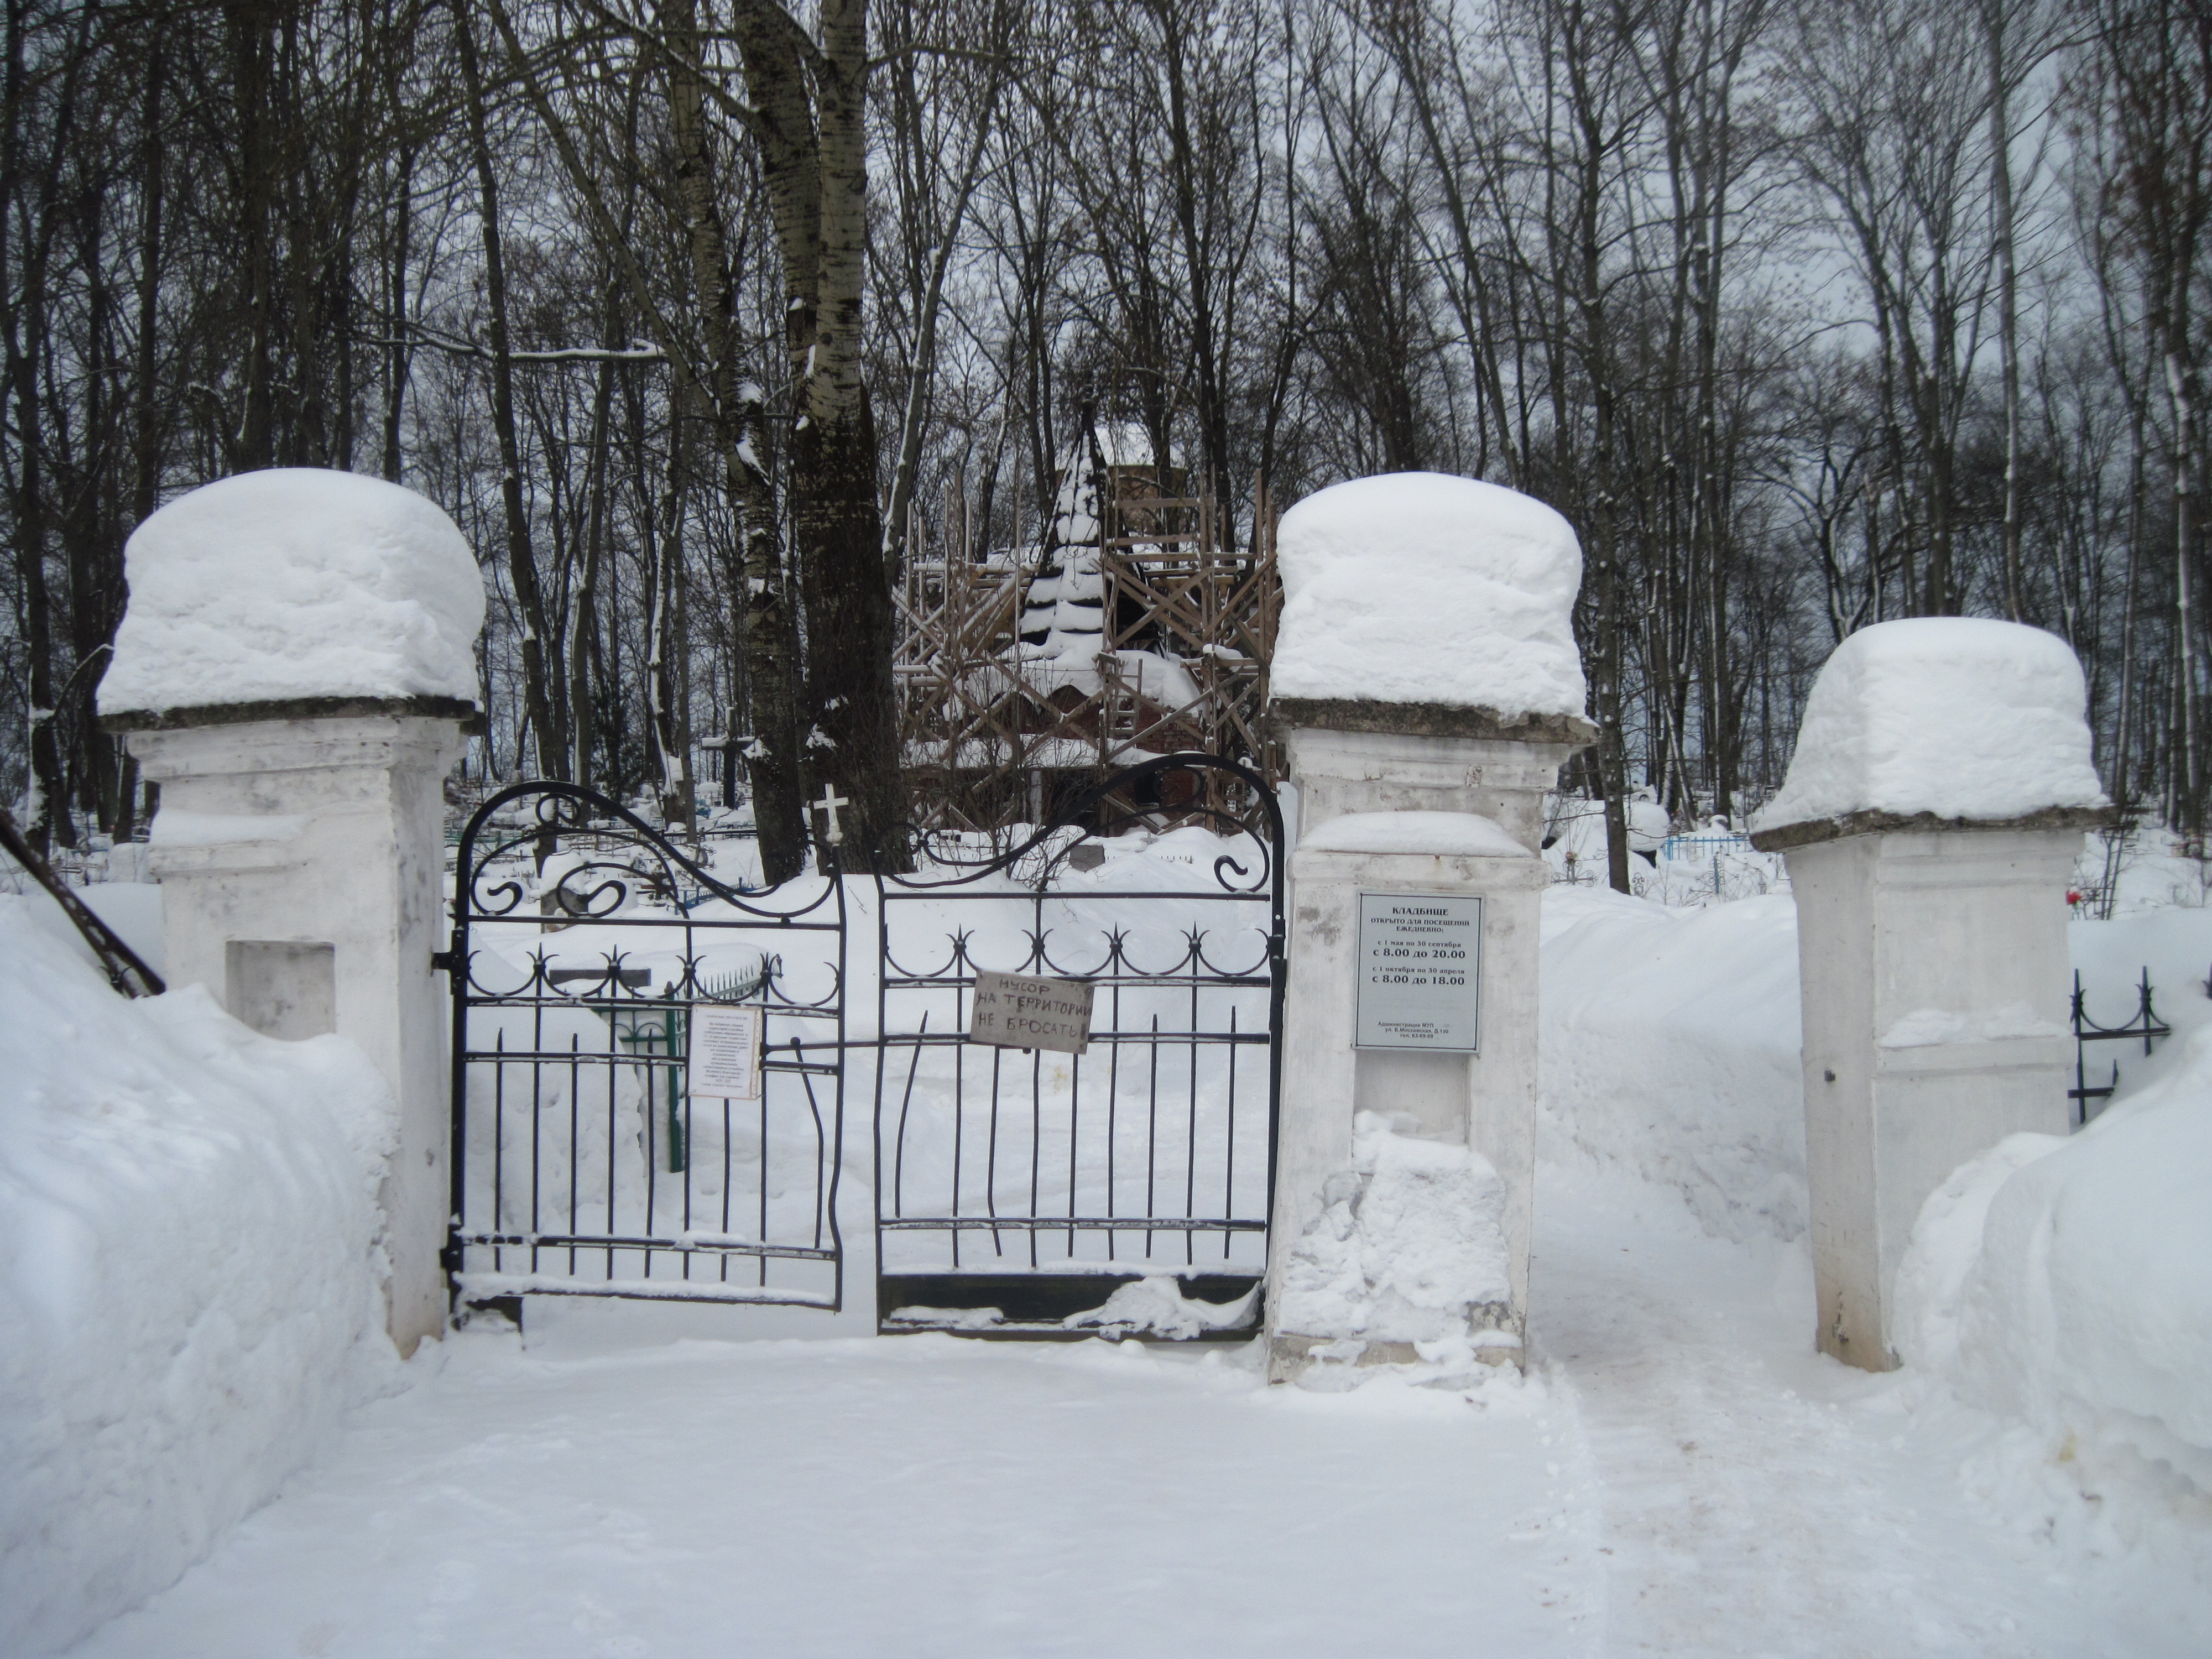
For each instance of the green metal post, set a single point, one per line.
(674, 1026)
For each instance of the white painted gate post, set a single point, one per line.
(1428, 687)
(1931, 819)
(295, 671)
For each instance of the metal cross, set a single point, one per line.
(828, 805)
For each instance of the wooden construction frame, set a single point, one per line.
(991, 742)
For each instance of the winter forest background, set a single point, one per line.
(1808, 313)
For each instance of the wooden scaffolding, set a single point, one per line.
(1009, 703)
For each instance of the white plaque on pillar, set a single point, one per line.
(1420, 981)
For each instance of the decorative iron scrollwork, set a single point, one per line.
(1105, 809)
(582, 1163)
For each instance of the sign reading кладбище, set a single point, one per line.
(1023, 1011)
(1420, 972)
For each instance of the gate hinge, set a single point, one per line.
(443, 962)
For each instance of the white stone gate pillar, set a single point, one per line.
(1931, 819)
(1427, 685)
(296, 669)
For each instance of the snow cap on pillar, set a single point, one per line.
(1417, 588)
(293, 590)
(1941, 718)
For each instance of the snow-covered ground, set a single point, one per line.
(1680, 1476)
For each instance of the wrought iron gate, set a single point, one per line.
(1016, 1188)
(582, 941)
(1012, 1187)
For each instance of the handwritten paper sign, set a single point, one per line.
(1421, 957)
(1018, 1010)
(725, 1062)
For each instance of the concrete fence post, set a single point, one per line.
(1930, 821)
(1427, 688)
(1407, 816)
(295, 672)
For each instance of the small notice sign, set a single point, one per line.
(1420, 981)
(1020, 1011)
(725, 1062)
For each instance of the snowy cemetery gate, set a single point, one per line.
(581, 1165)
(1014, 1188)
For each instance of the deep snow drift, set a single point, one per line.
(189, 1275)
(1410, 1248)
(2063, 1282)
(1668, 1047)
(1958, 716)
(338, 586)
(2058, 1283)
(1372, 568)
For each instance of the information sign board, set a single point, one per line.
(1420, 972)
(725, 1062)
(1023, 1011)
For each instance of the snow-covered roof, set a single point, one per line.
(1063, 608)
(1418, 587)
(1053, 754)
(1126, 443)
(295, 583)
(1956, 716)
(1161, 681)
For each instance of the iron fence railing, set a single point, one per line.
(2144, 1025)
(582, 1164)
(1150, 1153)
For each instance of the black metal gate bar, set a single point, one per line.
(633, 1186)
(1164, 1169)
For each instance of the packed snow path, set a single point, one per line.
(1748, 1496)
(1685, 1477)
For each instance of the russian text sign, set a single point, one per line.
(726, 1050)
(1420, 972)
(1020, 1011)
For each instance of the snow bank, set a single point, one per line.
(2145, 870)
(1417, 587)
(1668, 1047)
(2063, 1282)
(1411, 1248)
(295, 583)
(1157, 1307)
(2059, 1283)
(1957, 716)
(190, 1279)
